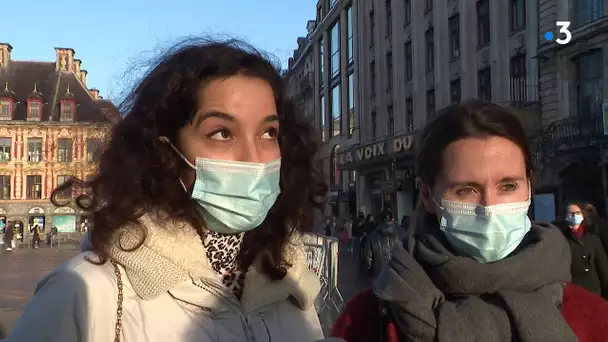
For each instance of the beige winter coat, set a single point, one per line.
(170, 294)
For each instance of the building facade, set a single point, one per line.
(325, 69)
(392, 65)
(51, 128)
(571, 155)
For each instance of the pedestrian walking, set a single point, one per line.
(380, 244)
(9, 237)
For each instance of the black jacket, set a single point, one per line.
(379, 246)
(589, 261)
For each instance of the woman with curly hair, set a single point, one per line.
(202, 192)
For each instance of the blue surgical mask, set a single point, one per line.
(574, 219)
(485, 233)
(233, 196)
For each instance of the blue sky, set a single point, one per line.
(111, 36)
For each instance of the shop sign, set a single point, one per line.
(381, 149)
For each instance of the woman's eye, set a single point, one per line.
(465, 191)
(222, 134)
(270, 133)
(508, 187)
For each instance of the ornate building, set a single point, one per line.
(51, 127)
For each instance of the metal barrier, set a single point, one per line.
(322, 259)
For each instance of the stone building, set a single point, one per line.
(572, 154)
(51, 128)
(383, 67)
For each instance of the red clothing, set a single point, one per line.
(585, 312)
(578, 233)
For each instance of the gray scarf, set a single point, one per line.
(435, 295)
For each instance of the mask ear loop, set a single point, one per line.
(166, 141)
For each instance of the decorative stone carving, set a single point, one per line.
(64, 210)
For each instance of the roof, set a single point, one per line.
(52, 86)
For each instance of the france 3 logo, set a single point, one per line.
(563, 36)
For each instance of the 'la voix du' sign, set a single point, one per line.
(380, 149)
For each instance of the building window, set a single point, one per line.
(518, 65)
(430, 103)
(34, 109)
(407, 10)
(64, 150)
(5, 187)
(349, 18)
(429, 37)
(321, 62)
(484, 84)
(5, 109)
(67, 111)
(454, 28)
(335, 49)
(372, 28)
(323, 118)
(389, 17)
(67, 194)
(409, 114)
(588, 11)
(351, 104)
(518, 15)
(455, 96)
(34, 150)
(374, 125)
(6, 145)
(372, 72)
(319, 12)
(589, 84)
(483, 22)
(428, 5)
(389, 70)
(409, 61)
(336, 113)
(390, 127)
(34, 187)
(93, 149)
(332, 3)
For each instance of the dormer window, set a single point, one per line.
(68, 108)
(5, 109)
(7, 101)
(34, 110)
(34, 105)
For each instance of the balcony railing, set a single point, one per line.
(567, 134)
(523, 92)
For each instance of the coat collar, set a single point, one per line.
(173, 254)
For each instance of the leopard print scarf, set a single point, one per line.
(222, 250)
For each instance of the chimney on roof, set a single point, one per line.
(76, 66)
(64, 59)
(5, 54)
(95, 93)
(83, 76)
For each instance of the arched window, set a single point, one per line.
(335, 171)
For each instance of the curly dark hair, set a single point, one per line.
(137, 173)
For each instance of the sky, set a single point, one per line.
(113, 37)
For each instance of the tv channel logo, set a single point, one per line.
(564, 35)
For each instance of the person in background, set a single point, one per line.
(35, 230)
(589, 265)
(358, 228)
(600, 226)
(201, 196)
(9, 237)
(348, 233)
(475, 268)
(369, 226)
(380, 244)
(405, 225)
